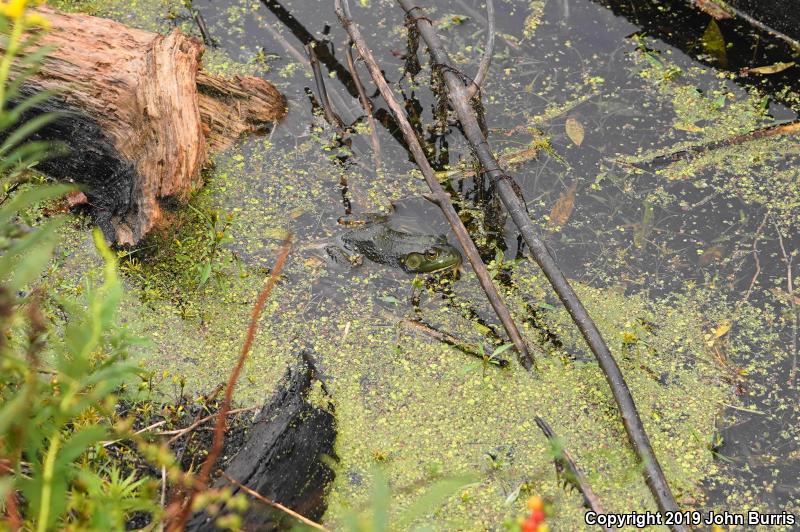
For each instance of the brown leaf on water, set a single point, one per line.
(712, 254)
(713, 8)
(575, 130)
(769, 69)
(562, 210)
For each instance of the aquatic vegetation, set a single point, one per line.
(658, 257)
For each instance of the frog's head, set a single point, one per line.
(439, 256)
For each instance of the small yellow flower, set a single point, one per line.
(35, 19)
(13, 9)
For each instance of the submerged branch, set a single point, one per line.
(449, 339)
(366, 103)
(438, 194)
(330, 115)
(788, 128)
(574, 474)
(509, 195)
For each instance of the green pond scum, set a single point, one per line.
(693, 350)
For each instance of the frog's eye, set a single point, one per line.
(431, 254)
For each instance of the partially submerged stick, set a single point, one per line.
(449, 339)
(507, 189)
(788, 128)
(576, 475)
(366, 103)
(438, 194)
(330, 115)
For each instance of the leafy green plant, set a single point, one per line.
(55, 384)
(378, 516)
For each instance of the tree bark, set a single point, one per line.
(138, 115)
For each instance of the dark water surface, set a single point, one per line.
(640, 231)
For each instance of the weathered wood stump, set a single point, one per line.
(285, 457)
(139, 116)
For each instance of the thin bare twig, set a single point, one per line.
(789, 128)
(788, 259)
(163, 493)
(757, 261)
(330, 115)
(184, 508)
(576, 474)
(276, 505)
(366, 103)
(179, 433)
(451, 340)
(486, 60)
(438, 194)
(510, 195)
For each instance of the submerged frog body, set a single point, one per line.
(373, 238)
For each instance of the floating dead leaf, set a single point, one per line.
(768, 69)
(575, 130)
(712, 254)
(562, 210)
(313, 262)
(714, 43)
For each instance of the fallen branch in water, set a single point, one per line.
(574, 475)
(508, 191)
(789, 128)
(438, 194)
(451, 340)
(184, 508)
(366, 103)
(330, 115)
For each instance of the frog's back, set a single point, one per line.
(385, 245)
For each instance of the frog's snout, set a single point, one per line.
(435, 258)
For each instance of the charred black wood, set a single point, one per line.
(287, 454)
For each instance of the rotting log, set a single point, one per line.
(286, 456)
(139, 117)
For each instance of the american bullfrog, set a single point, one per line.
(372, 237)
